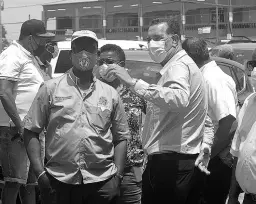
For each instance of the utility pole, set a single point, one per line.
(230, 20)
(217, 20)
(141, 19)
(183, 19)
(104, 19)
(1, 26)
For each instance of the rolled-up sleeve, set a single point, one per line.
(120, 128)
(208, 138)
(221, 100)
(10, 66)
(37, 118)
(175, 92)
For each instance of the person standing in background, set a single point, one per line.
(225, 51)
(135, 107)
(20, 79)
(243, 150)
(222, 110)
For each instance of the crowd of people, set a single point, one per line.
(95, 135)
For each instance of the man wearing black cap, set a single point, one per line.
(20, 79)
(51, 51)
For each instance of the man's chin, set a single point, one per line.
(83, 70)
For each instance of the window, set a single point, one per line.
(236, 73)
(94, 21)
(221, 15)
(64, 63)
(147, 71)
(239, 76)
(64, 23)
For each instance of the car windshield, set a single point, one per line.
(63, 63)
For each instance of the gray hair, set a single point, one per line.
(226, 51)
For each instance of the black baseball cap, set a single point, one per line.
(35, 27)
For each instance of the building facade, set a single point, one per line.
(130, 19)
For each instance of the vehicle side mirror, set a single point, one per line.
(250, 65)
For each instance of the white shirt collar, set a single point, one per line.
(209, 64)
(22, 48)
(173, 59)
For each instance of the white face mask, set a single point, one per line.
(103, 70)
(157, 50)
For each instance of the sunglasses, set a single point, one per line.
(107, 61)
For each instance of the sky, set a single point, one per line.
(12, 18)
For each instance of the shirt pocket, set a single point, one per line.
(99, 119)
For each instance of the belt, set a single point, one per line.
(252, 196)
(172, 155)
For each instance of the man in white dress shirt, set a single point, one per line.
(244, 150)
(173, 133)
(222, 109)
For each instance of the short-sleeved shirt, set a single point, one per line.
(82, 128)
(19, 65)
(222, 96)
(244, 145)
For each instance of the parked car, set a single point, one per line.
(140, 65)
(243, 50)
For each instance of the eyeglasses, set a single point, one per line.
(107, 61)
(156, 38)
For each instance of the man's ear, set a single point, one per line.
(175, 39)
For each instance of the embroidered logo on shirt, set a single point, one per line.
(59, 98)
(103, 103)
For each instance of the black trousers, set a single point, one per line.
(248, 199)
(217, 184)
(171, 178)
(105, 192)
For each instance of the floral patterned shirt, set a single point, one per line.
(134, 108)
